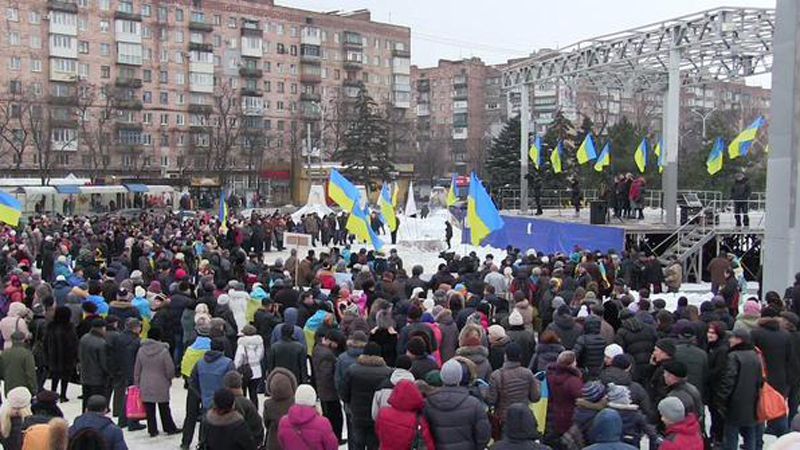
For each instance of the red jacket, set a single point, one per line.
(565, 384)
(396, 424)
(683, 435)
(304, 428)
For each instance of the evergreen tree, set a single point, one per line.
(560, 129)
(625, 136)
(502, 162)
(365, 155)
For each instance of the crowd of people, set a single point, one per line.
(343, 346)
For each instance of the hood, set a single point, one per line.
(314, 322)
(121, 304)
(251, 342)
(300, 415)
(281, 384)
(399, 375)
(770, 323)
(565, 322)
(592, 326)
(448, 398)
(406, 397)
(92, 420)
(558, 375)
(477, 353)
(689, 426)
(223, 420)
(615, 375)
(290, 316)
(520, 424)
(151, 348)
(633, 324)
(607, 427)
(212, 355)
(201, 343)
(524, 304)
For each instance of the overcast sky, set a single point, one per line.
(496, 30)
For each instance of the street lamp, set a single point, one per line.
(703, 118)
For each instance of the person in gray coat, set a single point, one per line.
(153, 373)
(458, 420)
(289, 354)
(93, 355)
(512, 383)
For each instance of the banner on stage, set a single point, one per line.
(551, 236)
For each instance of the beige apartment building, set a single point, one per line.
(161, 76)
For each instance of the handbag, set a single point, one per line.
(771, 403)
(245, 369)
(419, 439)
(134, 406)
(495, 419)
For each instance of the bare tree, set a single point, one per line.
(15, 110)
(224, 130)
(401, 133)
(50, 134)
(96, 110)
(338, 116)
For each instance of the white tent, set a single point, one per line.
(315, 204)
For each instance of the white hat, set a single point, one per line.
(305, 395)
(61, 278)
(613, 350)
(223, 299)
(139, 291)
(515, 318)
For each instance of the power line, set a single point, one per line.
(460, 43)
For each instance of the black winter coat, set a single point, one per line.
(123, 349)
(590, 349)
(61, 348)
(717, 366)
(638, 340)
(737, 390)
(776, 346)
(567, 330)
(361, 381)
(545, 355)
(696, 361)
(525, 340)
(639, 395)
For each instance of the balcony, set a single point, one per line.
(56, 122)
(200, 26)
(460, 94)
(122, 15)
(130, 103)
(133, 83)
(401, 53)
(201, 47)
(310, 110)
(310, 78)
(59, 100)
(310, 97)
(423, 86)
(195, 108)
(460, 81)
(133, 126)
(352, 40)
(248, 72)
(352, 64)
(197, 128)
(310, 59)
(352, 82)
(252, 31)
(250, 92)
(63, 6)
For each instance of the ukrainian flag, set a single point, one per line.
(539, 408)
(223, 212)
(342, 191)
(387, 208)
(604, 160)
(740, 146)
(714, 162)
(659, 154)
(395, 194)
(555, 157)
(358, 225)
(587, 151)
(10, 209)
(452, 199)
(640, 155)
(482, 216)
(604, 274)
(536, 152)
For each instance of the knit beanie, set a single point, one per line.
(19, 398)
(451, 373)
(305, 395)
(620, 395)
(593, 391)
(752, 308)
(515, 319)
(417, 346)
(676, 368)
(496, 333)
(613, 350)
(232, 380)
(667, 345)
(672, 409)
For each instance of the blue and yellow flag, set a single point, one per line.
(604, 274)
(395, 194)
(223, 212)
(536, 152)
(482, 216)
(342, 191)
(587, 151)
(659, 154)
(387, 208)
(604, 160)
(640, 155)
(452, 199)
(555, 157)
(539, 409)
(358, 225)
(714, 161)
(10, 209)
(740, 145)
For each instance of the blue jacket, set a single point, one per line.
(60, 291)
(207, 375)
(111, 433)
(290, 317)
(102, 306)
(606, 432)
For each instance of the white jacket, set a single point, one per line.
(251, 350)
(238, 307)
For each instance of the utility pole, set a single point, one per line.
(524, 113)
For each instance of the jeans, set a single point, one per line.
(363, 437)
(166, 418)
(749, 435)
(778, 427)
(332, 410)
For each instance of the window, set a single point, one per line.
(36, 65)
(34, 18)
(293, 50)
(164, 140)
(83, 24)
(125, 6)
(164, 55)
(165, 161)
(13, 38)
(128, 27)
(63, 136)
(146, 33)
(201, 79)
(162, 14)
(63, 65)
(83, 47)
(217, 40)
(180, 120)
(180, 78)
(179, 37)
(147, 139)
(279, 28)
(164, 120)
(163, 76)
(294, 88)
(267, 66)
(147, 10)
(147, 97)
(83, 70)
(104, 26)
(105, 5)
(280, 48)
(179, 15)
(281, 87)
(147, 75)
(105, 72)
(129, 53)
(233, 43)
(163, 98)
(281, 125)
(217, 19)
(279, 105)
(181, 99)
(147, 118)
(105, 49)
(232, 22)
(267, 86)
(15, 87)
(83, 3)
(12, 14)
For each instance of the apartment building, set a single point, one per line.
(459, 107)
(168, 65)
